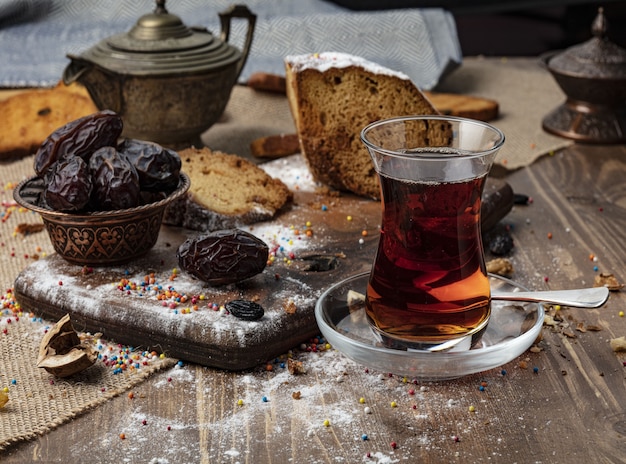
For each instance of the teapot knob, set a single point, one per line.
(599, 26)
(160, 7)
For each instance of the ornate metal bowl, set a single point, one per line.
(102, 238)
(593, 77)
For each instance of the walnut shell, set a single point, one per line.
(61, 351)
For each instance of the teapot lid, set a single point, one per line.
(596, 58)
(160, 43)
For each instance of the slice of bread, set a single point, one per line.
(226, 191)
(465, 106)
(332, 97)
(35, 114)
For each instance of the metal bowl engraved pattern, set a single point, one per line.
(102, 238)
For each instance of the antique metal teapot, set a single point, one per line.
(593, 77)
(169, 82)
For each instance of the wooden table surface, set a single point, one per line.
(563, 401)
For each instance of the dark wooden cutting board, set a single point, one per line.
(98, 302)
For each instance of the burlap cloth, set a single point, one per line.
(39, 402)
(526, 93)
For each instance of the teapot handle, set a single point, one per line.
(238, 11)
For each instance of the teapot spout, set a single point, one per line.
(104, 88)
(76, 70)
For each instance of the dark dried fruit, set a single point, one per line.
(115, 180)
(500, 243)
(80, 137)
(244, 309)
(158, 167)
(223, 257)
(68, 186)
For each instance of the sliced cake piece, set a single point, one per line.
(226, 191)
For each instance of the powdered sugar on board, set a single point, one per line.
(158, 308)
(293, 172)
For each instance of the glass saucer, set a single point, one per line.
(512, 329)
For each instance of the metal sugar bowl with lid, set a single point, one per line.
(593, 77)
(169, 82)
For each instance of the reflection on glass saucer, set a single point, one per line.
(512, 329)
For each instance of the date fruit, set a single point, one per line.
(158, 167)
(115, 180)
(245, 310)
(80, 137)
(68, 185)
(499, 241)
(223, 257)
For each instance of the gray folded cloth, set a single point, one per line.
(14, 12)
(36, 35)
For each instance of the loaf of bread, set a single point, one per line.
(466, 106)
(267, 82)
(275, 146)
(35, 114)
(226, 191)
(332, 97)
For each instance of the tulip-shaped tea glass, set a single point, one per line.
(428, 286)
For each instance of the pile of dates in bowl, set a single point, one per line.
(101, 199)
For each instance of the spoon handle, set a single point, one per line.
(578, 298)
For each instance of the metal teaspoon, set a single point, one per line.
(578, 298)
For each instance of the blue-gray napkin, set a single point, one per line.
(36, 35)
